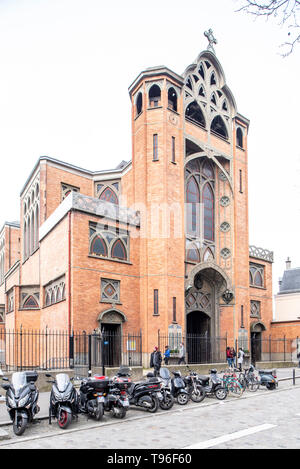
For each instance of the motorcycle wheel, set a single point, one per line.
(182, 398)
(155, 405)
(120, 414)
(64, 419)
(271, 386)
(167, 403)
(99, 411)
(198, 395)
(221, 393)
(20, 424)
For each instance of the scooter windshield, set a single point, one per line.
(62, 381)
(18, 380)
(164, 373)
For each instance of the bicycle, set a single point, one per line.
(232, 383)
(248, 380)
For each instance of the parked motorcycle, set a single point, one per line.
(91, 399)
(178, 388)
(213, 385)
(194, 388)
(268, 378)
(167, 400)
(145, 394)
(21, 399)
(64, 405)
(113, 395)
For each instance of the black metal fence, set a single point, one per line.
(198, 348)
(50, 350)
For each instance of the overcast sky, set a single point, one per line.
(65, 69)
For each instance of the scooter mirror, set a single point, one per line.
(4, 378)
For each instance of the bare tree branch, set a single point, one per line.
(287, 11)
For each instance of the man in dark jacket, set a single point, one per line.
(155, 361)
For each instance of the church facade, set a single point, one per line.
(160, 243)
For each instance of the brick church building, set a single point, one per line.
(160, 243)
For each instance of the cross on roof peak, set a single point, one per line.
(211, 40)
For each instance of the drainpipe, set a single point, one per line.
(69, 274)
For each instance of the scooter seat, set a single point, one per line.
(204, 379)
(265, 372)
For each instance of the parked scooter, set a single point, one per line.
(21, 399)
(178, 388)
(91, 399)
(167, 400)
(268, 378)
(194, 388)
(213, 385)
(145, 394)
(112, 393)
(64, 404)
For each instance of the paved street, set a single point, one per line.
(265, 419)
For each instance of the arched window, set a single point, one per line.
(172, 99)
(30, 303)
(139, 104)
(193, 254)
(218, 126)
(239, 137)
(47, 299)
(118, 250)
(208, 255)
(52, 301)
(98, 246)
(28, 237)
(154, 96)
(256, 276)
(36, 227)
(32, 234)
(58, 294)
(194, 113)
(193, 200)
(208, 202)
(25, 240)
(110, 196)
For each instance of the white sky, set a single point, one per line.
(65, 69)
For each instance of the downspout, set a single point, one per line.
(69, 274)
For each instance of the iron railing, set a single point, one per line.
(49, 350)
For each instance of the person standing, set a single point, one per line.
(232, 356)
(167, 355)
(157, 359)
(240, 358)
(228, 356)
(181, 354)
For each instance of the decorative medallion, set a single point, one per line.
(225, 253)
(227, 296)
(173, 119)
(225, 226)
(222, 176)
(224, 201)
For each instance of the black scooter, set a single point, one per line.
(268, 378)
(213, 385)
(145, 394)
(167, 400)
(91, 399)
(178, 388)
(21, 399)
(64, 405)
(112, 393)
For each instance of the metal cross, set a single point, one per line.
(211, 39)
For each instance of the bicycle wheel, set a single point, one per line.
(236, 388)
(252, 384)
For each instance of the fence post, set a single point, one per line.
(71, 350)
(294, 376)
(102, 355)
(236, 351)
(158, 339)
(89, 354)
(21, 347)
(270, 353)
(284, 348)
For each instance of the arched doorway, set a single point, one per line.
(110, 324)
(205, 287)
(256, 330)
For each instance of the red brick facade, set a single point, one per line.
(62, 263)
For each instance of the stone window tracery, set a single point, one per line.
(10, 301)
(205, 103)
(256, 275)
(29, 298)
(255, 309)
(54, 291)
(110, 243)
(31, 209)
(108, 191)
(110, 290)
(66, 189)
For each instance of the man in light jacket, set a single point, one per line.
(181, 354)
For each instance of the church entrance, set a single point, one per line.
(111, 331)
(198, 337)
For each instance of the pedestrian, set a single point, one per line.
(240, 358)
(232, 356)
(156, 360)
(228, 356)
(167, 355)
(181, 354)
(298, 356)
